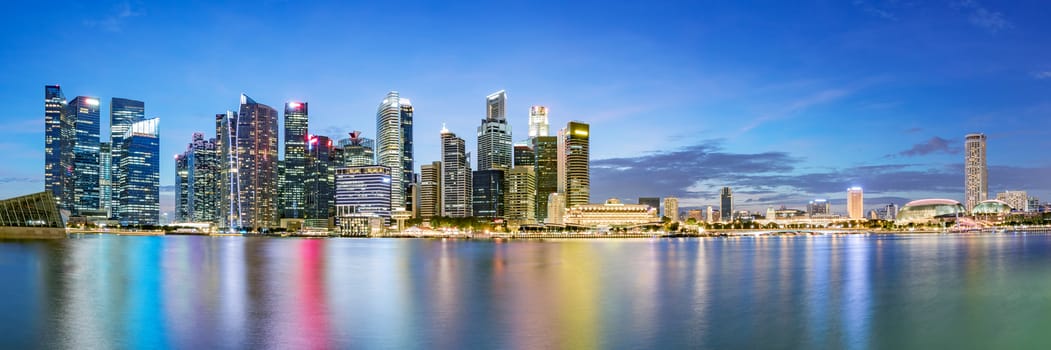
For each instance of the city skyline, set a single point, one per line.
(779, 149)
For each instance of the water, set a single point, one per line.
(887, 292)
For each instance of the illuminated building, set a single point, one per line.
(487, 193)
(138, 176)
(611, 213)
(84, 113)
(556, 208)
(293, 195)
(855, 203)
(58, 157)
(520, 195)
(1016, 199)
(695, 214)
(726, 197)
(356, 150)
(197, 181)
(976, 175)
(671, 208)
(545, 150)
(494, 135)
(182, 189)
(538, 125)
(430, 190)
(363, 191)
(253, 141)
(930, 210)
(318, 180)
(31, 216)
(819, 208)
(992, 207)
(456, 181)
(394, 145)
(573, 164)
(523, 154)
(123, 112)
(106, 178)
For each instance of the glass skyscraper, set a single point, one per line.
(456, 177)
(494, 135)
(574, 174)
(138, 177)
(106, 178)
(318, 179)
(538, 121)
(255, 146)
(363, 190)
(356, 150)
(726, 210)
(56, 168)
(394, 145)
(295, 163)
(84, 112)
(545, 149)
(487, 194)
(122, 113)
(198, 174)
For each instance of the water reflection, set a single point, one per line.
(852, 292)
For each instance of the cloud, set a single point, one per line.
(982, 17)
(875, 10)
(795, 107)
(1042, 75)
(934, 145)
(6, 180)
(114, 22)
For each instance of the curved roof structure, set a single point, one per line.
(992, 207)
(926, 210)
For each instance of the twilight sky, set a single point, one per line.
(783, 101)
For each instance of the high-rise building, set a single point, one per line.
(430, 190)
(574, 164)
(520, 195)
(57, 157)
(106, 178)
(523, 154)
(487, 194)
(819, 207)
(84, 112)
(494, 135)
(197, 174)
(394, 145)
(1019, 200)
(1033, 204)
(545, 149)
(456, 177)
(671, 208)
(182, 189)
(122, 113)
(855, 203)
(976, 183)
(229, 204)
(653, 202)
(556, 209)
(726, 197)
(254, 149)
(139, 174)
(318, 179)
(538, 121)
(709, 214)
(887, 212)
(293, 200)
(363, 190)
(356, 150)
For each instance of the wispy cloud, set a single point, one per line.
(6, 180)
(1042, 75)
(114, 22)
(933, 145)
(982, 17)
(796, 106)
(875, 10)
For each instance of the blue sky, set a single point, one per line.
(783, 101)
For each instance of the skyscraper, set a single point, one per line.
(556, 208)
(255, 148)
(538, 121)
(456, 177)
(430, 190)
(295, 163)
(319, 179)
(494, 135)
(976, 181)
(363, 190)
(356, 150)
(138, 176)
(671, 208)
(487, 194)
(819, 207)
(727, 209)
(122, 113)
(524, 155)
(574, 164)
(855, 203)
(394, 145)
(84, 112)
(202, 176)
(106, 178)
(520, 195)
(182, 189)
(57, 169)
(545, 149)
(1019, 200)
(229, 186)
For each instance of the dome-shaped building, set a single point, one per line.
(992, 207)
(930, 210)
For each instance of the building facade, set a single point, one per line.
(487, 194)
(556, 209)
(726, 198)
(545, 167)
(318, 180)
(139, 175)
(363, 191)
(394, 147)
(574, 163)
(520, 195)
(255, 146)
(855, 203)
(538, 125)
(494, 135)
(84, 112)
(976, 174)
(456, 183)
(430, 190)
(612, 213)
(356, 150)
(55, 143)
(671, 208)
(1019, 200)
(293, 195)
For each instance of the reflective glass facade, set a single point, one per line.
(139, 177)
(122, 113)
(319, 180)
(255, 144)
(295, 163)
(34, 210)
(356, 150)
(55, 165)
(545, 149)
(394, 144)
(84, 112)
(487, 194)
(364, 190)
(574, 163)
(929, 209)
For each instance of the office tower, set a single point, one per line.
(122, 113)
(139, 174)
(295, 163)
(198, 171)
(430, 190)
(538, 121)
(1018, 200)
(556, 208)
(456, 177)
(573, 164)
(106, 178)
(545, 149)
(1033, 204)
(487, 194)
(229, 204)
(653, 202)
(671, 208)
(356, 150)
(819, 207)
(494, 135)
(727, 209)
(394, 144)
(855, 203)
(976, 182)
(364, 190)
(84, 113)
(709, 214)
(318, 179)
(520, 195)
(55, 165)
(523, 154)
(254, 147)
